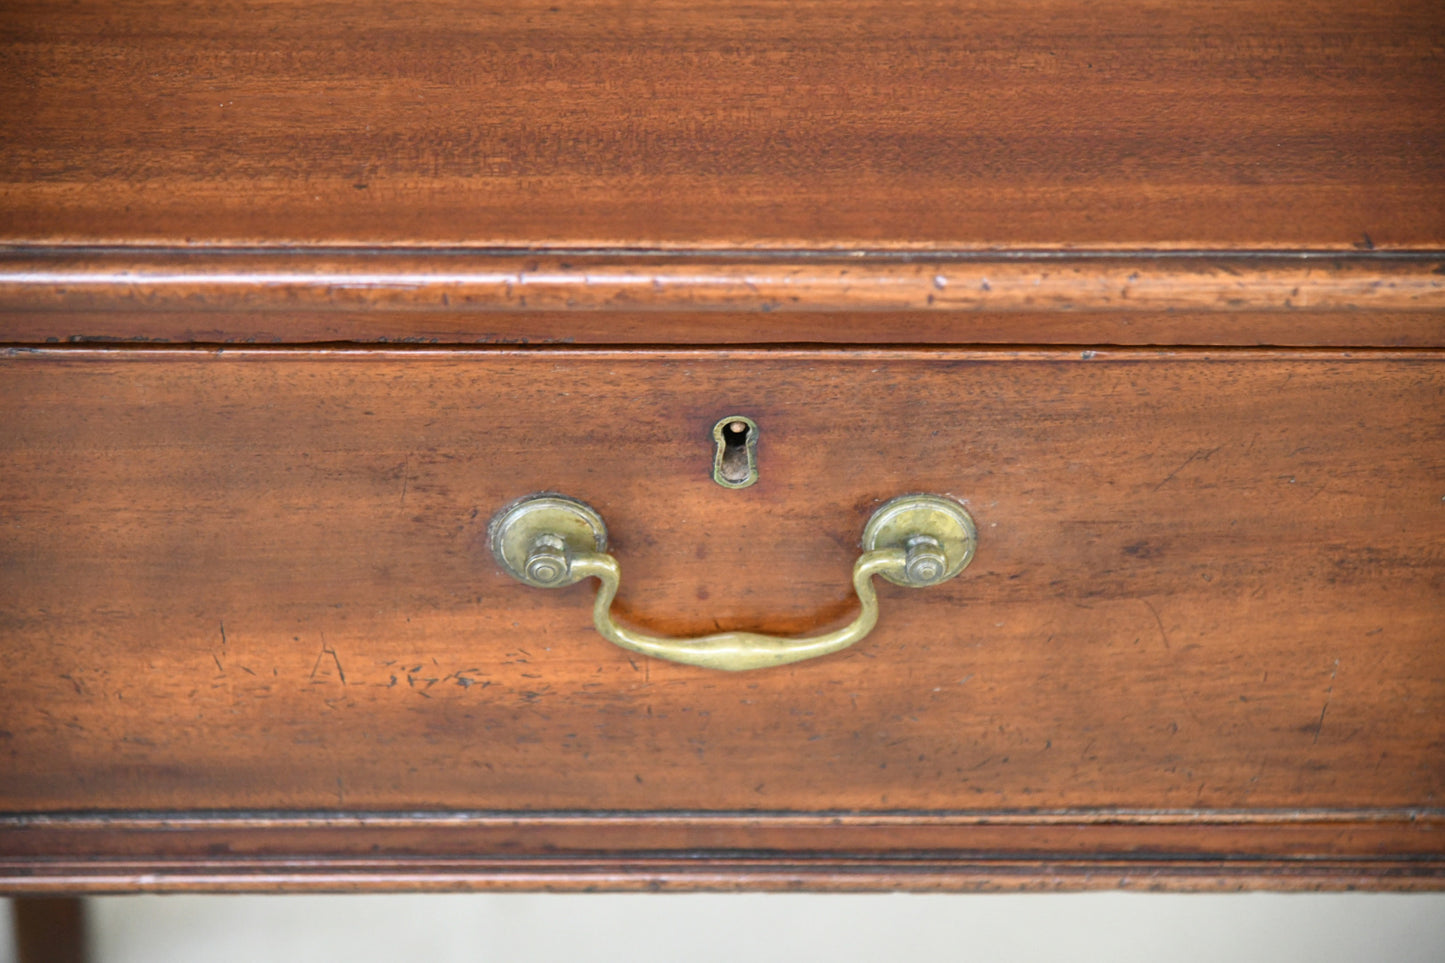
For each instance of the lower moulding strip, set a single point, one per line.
(273, 852)
(707, 873)
(279, 818)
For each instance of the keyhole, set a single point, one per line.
(735, 464)
(735, 451)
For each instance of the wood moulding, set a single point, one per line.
(1180, 850)
(476, 296)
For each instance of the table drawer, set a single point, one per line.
(260, 580)
(258, 638)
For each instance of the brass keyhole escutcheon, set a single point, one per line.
(735, 455)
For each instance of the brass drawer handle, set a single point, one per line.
(550, 541)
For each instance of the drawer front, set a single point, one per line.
(260, 580)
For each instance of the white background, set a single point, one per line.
(761, 928)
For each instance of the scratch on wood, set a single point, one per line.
(325, 651)
(216, 658)
(1157, 621)
(1329, 692)
(1203, 454)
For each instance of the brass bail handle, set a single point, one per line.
(549, 541)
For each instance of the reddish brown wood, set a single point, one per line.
(1258, 835)
(198, 282)
(49, 930)
(988, 850)
(254, 639)
(257, 579)
(693, 872)
(1280, 124)
(1303, 328)
(689, 873)
(294, 296)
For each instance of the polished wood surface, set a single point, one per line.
(1279, 124)
(254, 636)
(258, 579)
(988, 850)
(451, 296)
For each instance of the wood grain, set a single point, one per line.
(254, 639)
(459, 297)
(656, 851)
(257, 579)
(1255, 124)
